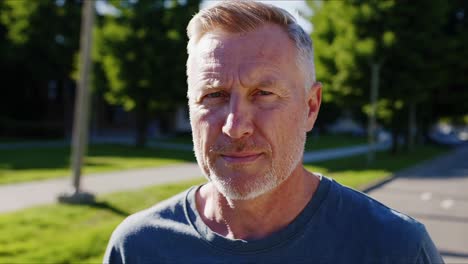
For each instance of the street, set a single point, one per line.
(436, 195)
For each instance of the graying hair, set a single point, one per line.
(245, 16)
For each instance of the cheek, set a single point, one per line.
(205, 126)
(282, 128)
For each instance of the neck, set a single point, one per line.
(259, 217)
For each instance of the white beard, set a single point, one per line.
(279, 171)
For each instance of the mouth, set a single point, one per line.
(241, 157)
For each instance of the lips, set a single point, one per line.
(241, 157)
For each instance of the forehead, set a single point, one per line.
(269, 45)
(267, 40)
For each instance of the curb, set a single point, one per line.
(377, 184)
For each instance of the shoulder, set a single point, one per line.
(146, 230)
(167, 212)
(373, 223)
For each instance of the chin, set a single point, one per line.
(243, 187)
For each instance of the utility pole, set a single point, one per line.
(374, 95)
(81, 116)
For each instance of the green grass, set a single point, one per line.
(354, 171)
(71, 234)
(20, 165)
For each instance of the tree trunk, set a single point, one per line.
(411, 126)
(423, 128)
(141, 122)
(394, 148)
(395, 131)
(374, 95)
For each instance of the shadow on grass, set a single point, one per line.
(107, 206)
(102, 205)
(59, 157)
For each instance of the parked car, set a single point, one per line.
(346, 126)
(446, 134)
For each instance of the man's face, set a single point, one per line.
(249, 110)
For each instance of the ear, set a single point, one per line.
(314, 98)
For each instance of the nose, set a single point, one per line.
(238, 123)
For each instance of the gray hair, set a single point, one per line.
(245, 16)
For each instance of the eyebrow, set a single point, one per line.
(266, 83)
(216, 84)
(269, 82)
(211, 85)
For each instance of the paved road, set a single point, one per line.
(436, 194)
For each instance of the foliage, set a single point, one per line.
(142, 55)
(450, 98)
(43, 34)
(349, 36)
(405, 38)
(38, 40)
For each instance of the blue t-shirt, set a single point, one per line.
(338, 225)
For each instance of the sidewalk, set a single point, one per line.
(22, 195)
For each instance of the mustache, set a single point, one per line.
(241, 145)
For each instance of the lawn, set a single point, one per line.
(70, 234)
(19, 165)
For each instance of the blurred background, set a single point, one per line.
(395, 76)
(138, 76)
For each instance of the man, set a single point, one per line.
(252, 97)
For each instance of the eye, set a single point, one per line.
(214, 95)
(263, 93)
(214, 98)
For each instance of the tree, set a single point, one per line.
(41, 42)
(403, 38)
(450, 98)
(142, 53)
